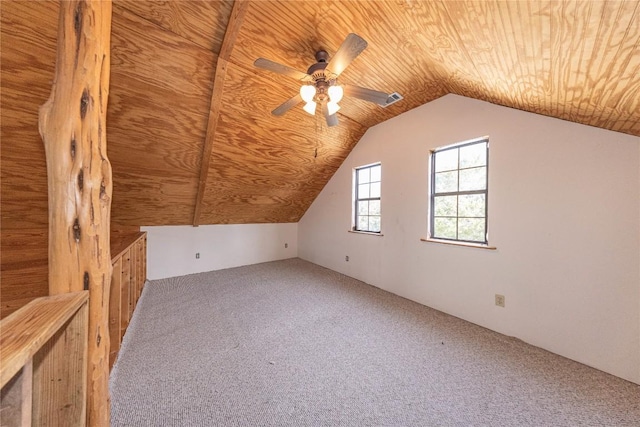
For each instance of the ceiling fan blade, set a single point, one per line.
(332, 120)
(287, 105)
(280, 69)
(365, 94)
(350, 48)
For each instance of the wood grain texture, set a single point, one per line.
(125, 292)
(202, 22)
(16, 399)
(23, 333)
(233, 28)
(60, 375)
(114, 311)
(72, 124)
(24, 267)
(159, 102)
(577, 61)
(27, 46)
(129, 274)
(573, 60)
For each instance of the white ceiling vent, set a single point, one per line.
(393, 98)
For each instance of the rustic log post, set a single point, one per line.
(73, 128)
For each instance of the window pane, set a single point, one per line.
(363, 222)
(473, 155)
(363, 207)
(446, 182)
(471, 229)
(445, 206)
(374, 207)
(471, 205)
(473, 179)
(374, 223)
(375, 173)
(363, 175)
(444, 228)
(375, 190)
(446, 160)
(363, 191)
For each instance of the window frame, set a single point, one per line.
(356, 199)
(433, 194)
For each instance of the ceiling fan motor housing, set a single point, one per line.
(320, 78)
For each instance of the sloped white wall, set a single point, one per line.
(171, 250)
(564, 214)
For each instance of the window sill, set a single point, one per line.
(370, 233)
(466, 244)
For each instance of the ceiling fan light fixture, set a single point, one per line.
(332, 107)
(310, 107)
(335, 93)
(307, 92)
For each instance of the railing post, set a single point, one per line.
(73, 128)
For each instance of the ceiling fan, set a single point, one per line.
(320, 82)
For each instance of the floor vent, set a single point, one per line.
(393, 98)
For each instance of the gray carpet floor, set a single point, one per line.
(289, 343)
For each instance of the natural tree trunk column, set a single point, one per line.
(73, 128)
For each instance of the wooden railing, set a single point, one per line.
(43, 369)
(129, 259)
(43, 346)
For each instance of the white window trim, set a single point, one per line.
(430, 239)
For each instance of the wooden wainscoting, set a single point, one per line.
(129, 259)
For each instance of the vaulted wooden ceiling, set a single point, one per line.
(577, 61)
(574, 60)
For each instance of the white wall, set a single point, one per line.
(564, 213)
(171, 249)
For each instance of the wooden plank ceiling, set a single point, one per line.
(578, 61)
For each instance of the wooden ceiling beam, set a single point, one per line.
(233, 28)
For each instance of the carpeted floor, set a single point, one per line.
(289, 343)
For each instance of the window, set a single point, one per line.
(367, 198)
(459, 181)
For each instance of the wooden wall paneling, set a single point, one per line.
(160, 190)
(577, 61)
(159, 122)
(144, 52)
(45, 343)
(231, 33)
(290, 33)
(158, 106)
(144, 258)
(281, 182)
(477, 34)
(405, 68)
(60, 378)
(28, 46)
(24, 267)
(136, 196)
(125, 298)
(134, 276)
(140, 265)
(129, 264)
(115, 306)
(16, 400)
(131, 284)
(624, 104)
(201, 22)
(282, 34)
(567, 41)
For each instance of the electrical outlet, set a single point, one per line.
(500, 300)
(346, 258)
(286, 245)
(197, 255)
